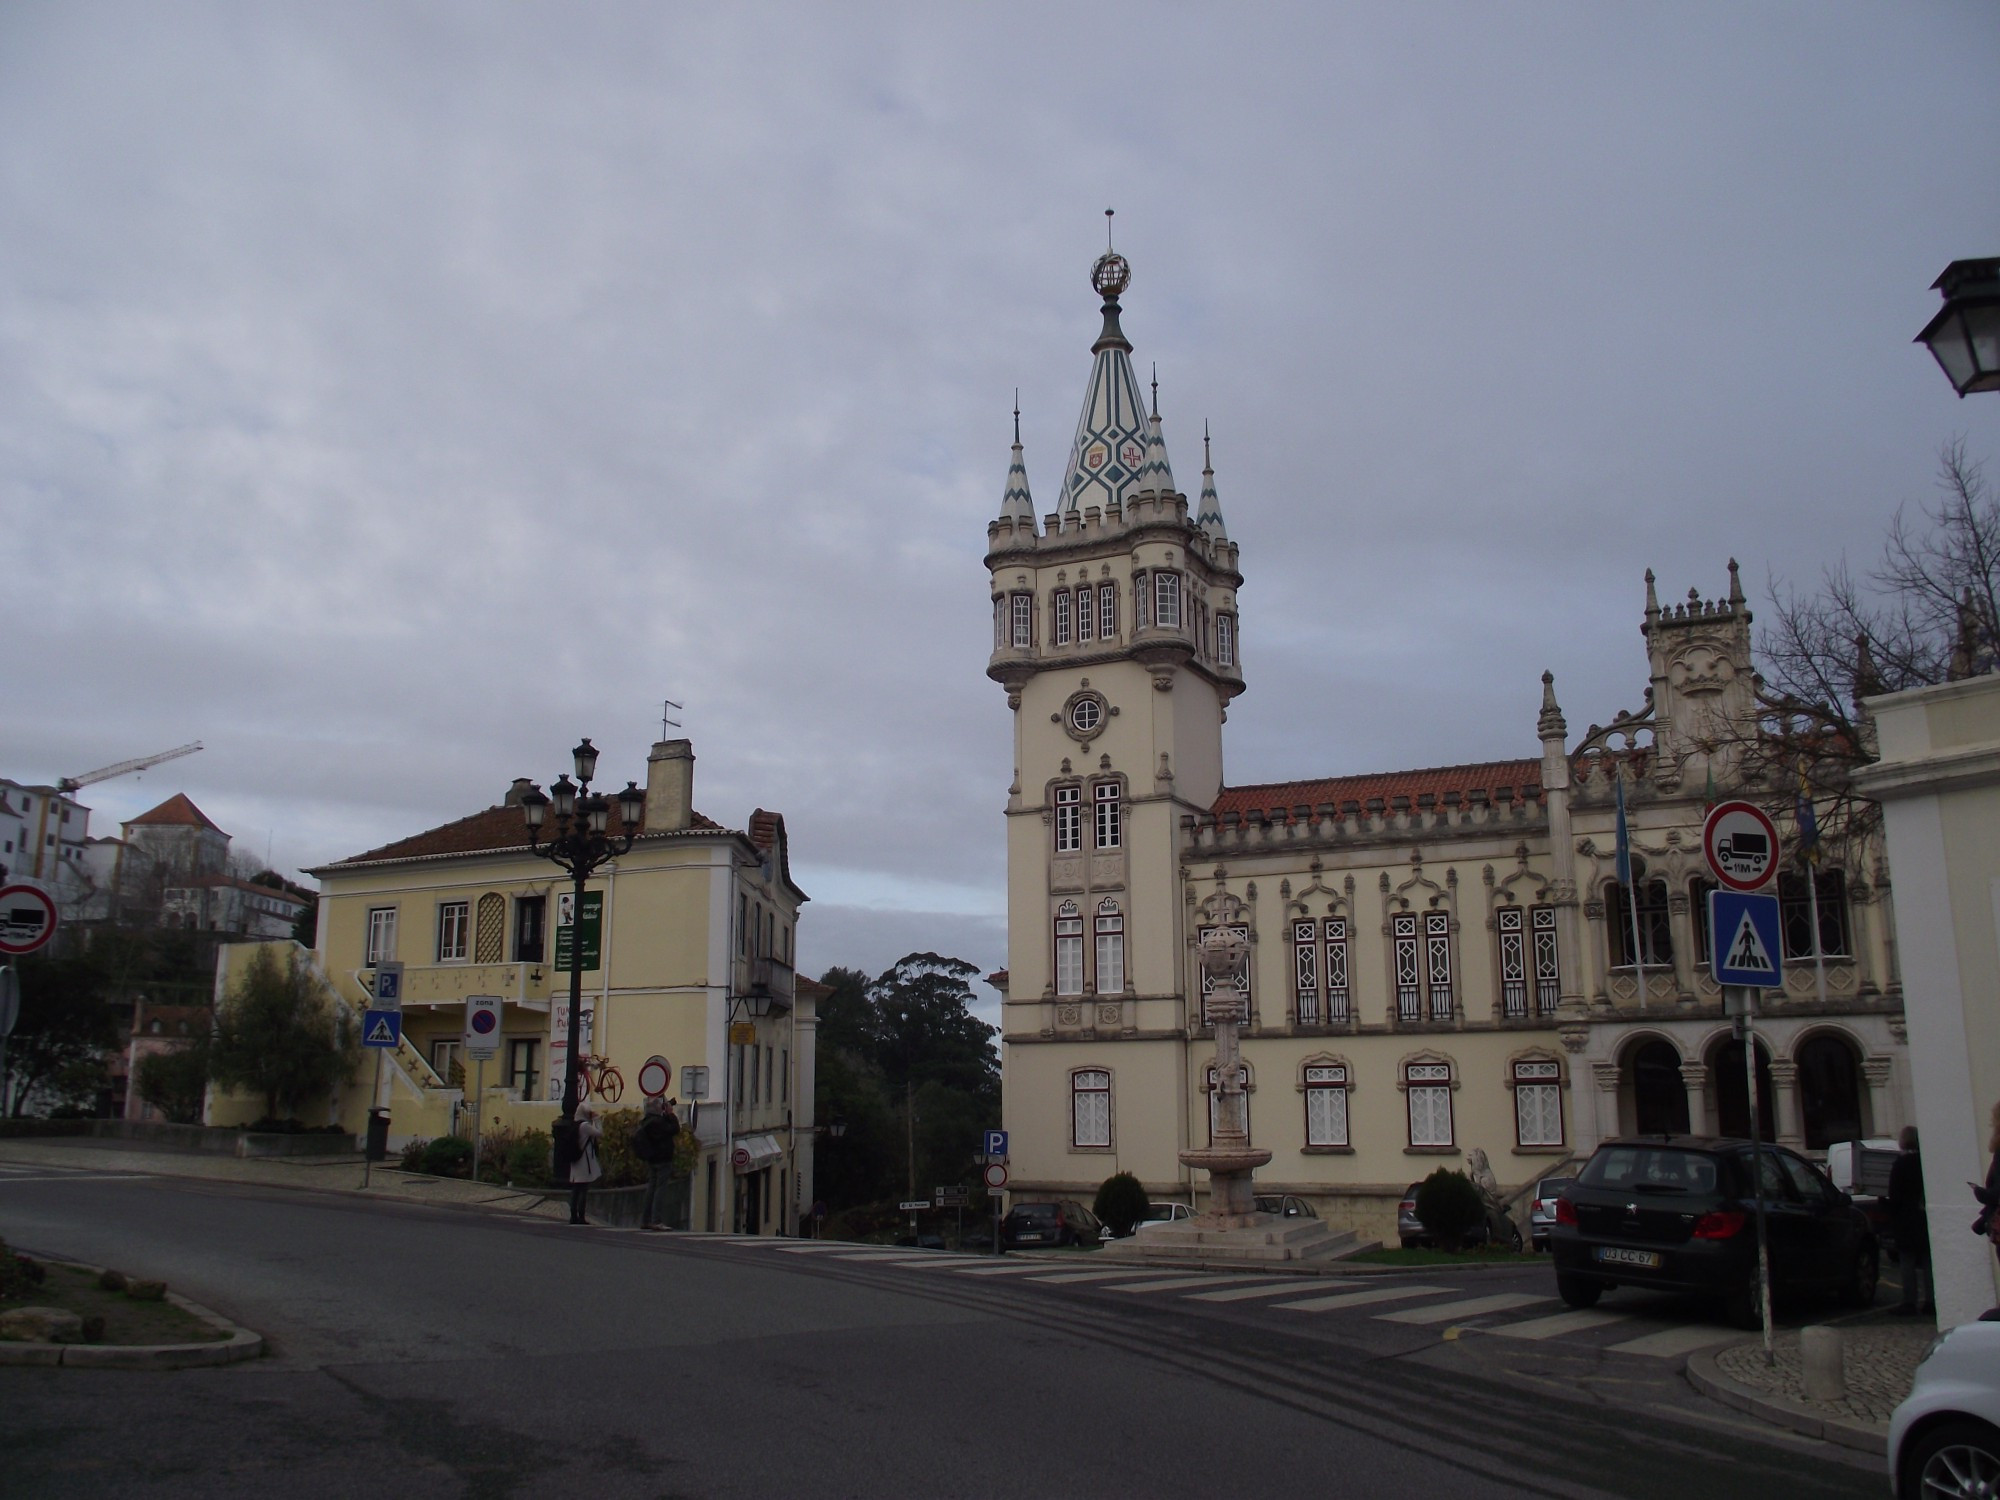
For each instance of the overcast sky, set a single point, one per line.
(391, 394)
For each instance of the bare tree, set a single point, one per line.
(1928, 612)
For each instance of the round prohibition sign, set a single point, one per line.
(996, 1176)
(656, 1076)
(1740, 843)
(27, 918)
(484, 1022)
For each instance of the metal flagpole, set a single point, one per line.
(1809, 847)
(1624, 872)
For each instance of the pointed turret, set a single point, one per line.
(1113, 434)
(1210, 519)
(1015, 504)
(1157, 476)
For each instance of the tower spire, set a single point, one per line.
(1015, 503)
(1210, 518)
(1158, 474)
(1113, 433)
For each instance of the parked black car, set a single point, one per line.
(1678, 1214)
(1054, 1222)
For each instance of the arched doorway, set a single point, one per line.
(1732, 1109)
(1659, 1095)
(1829, 1091)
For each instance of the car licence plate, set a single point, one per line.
(1617, 1255)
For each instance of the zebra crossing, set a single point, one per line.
(1528, 1316)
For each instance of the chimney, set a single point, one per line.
(515, 792)
(670, 786)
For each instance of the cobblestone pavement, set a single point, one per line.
(1880, 1359)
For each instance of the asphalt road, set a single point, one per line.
(421, 1352)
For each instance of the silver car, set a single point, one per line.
(1542, 1211)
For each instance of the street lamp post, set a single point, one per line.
(1964, 337)
(580, 845)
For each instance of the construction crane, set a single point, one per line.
(68, 784)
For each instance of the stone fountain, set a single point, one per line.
(1231, 1229)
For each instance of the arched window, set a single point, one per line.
(1069, 819)
(1659, 1093)
(1829, 1091)
(1324, 1084)
(1166, 599)
(1538, 1112)
(1086, 613)
(1427, 1084)
(1090, 1108)
(1795, 911)
(1110, 948)
(1656, 936)
(1069, 950)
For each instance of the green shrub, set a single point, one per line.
(1121, 1203)
(528, 1159)
(271, 1125)
(18, 1273)
(413, 1154)
(1450, 1207)
(447, 1156)
(614, 1149)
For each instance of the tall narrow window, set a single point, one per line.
(1429, 1088)
(1336, 969)
(1060, 602)
(1110, 949)
(1513, 963)
(1086, 613)
(1656, 936)
(1409, 991)
(742, 925)
(1225, 640)
(1141, 597)
(1069, 819)
(530, 918)
(454, 931)
(1437, 962)
(1024, 621)
(381, 935)
(1069, 950)
(999, 622)
(1326, 1105)
(1548, 964)
(489, 937)
(524, 1057)
(1109, 833)
(1538, 1115)
(1090, 1107)
(1795, 911)
(1167, 599)
(1305, 971)
(1107, 610)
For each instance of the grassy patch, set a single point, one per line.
(125, 1321)
(1448, 1258)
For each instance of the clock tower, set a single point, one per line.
(1115, 636)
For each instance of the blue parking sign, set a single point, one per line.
(1746, 940)
(993, 1142)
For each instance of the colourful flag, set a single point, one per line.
(1808, 822)
(1708, 797)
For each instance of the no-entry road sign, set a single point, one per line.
(27, 917)
(1740, 843)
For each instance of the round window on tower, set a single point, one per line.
(1084, 714)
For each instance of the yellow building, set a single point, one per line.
(695, 928)
(1440, 961)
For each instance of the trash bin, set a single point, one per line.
(378, 1135)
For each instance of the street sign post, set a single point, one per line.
(656, 1076)
(913, 1205)
(993, 1143)
(27, 917)
(382, 1029)
(482, 1040)
(1746, 939)
(1740, 843)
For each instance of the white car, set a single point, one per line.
(1944, 1440)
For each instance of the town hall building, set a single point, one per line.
(1441, 961)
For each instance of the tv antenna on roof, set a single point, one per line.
(667, 711)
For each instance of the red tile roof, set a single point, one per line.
(176, 811)
(488, 832)
(1275, 800)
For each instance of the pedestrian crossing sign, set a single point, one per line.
(381, 1028)
(1745, 939)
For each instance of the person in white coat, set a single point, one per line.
(584, 1170)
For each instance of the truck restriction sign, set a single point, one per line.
(27, 917)
(1740, 842)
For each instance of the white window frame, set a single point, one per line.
(1166, 599)
(1548, 959)
(1000, 623)
(1407, 973)
(1305, 972)
(1069, 951)
(1107, 798)
(454, 931)
(381, 935)
(1090, 1109)
(1110, 931)
(1437, 963)
(1142, 615)
(1427, 1087)
(1537, 1103)
(1225, 640)
(1325, 1088)
(1107, 611)
(1511, 923)
(1023, 608)
(1335, 970)
(1061, 607)
(1069, 819)
(1086, 614)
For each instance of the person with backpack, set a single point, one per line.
(653, 1143)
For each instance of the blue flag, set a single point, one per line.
(1807, 820)
(1624, 840)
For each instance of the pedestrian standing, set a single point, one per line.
(653, 1143)
(1912, 1225)
(583, 1168)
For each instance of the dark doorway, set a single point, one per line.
(1659, 1095)
(1732, 1109)
(1829, 1092)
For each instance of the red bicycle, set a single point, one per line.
(595, 1075)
